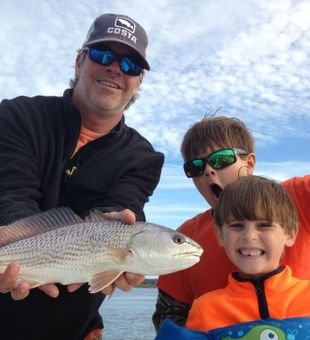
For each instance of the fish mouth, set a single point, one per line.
(216, 189)
(190, 254)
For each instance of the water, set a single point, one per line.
(128, 315)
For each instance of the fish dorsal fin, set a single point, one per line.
(37, 224)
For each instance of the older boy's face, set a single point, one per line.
(254, 247)
(212, 182)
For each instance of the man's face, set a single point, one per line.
(105, 89)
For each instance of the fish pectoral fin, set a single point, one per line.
(32, 284)
(102, 280)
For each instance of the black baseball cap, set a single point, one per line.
(122, 29)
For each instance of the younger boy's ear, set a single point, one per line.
(251, 162)
(290, 238)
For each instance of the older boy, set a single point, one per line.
(211, 172)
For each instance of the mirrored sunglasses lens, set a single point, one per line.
(222, 158)
(129, 67)
(194, 168)
(101, 57)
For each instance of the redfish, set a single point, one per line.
(58, 246)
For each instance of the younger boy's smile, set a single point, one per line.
(255, 247)
(251, 252)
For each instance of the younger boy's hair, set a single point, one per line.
(211, 132)
(256, 198)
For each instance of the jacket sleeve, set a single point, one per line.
(299, 189)
(19, 179)
(169, 308)
(297, 257)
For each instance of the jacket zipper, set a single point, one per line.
(262, 301)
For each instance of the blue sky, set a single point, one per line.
(249, 57)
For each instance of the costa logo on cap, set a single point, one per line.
(122, 29)
(125, 23)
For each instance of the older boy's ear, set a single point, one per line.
(251, 162)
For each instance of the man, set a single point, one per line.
(76, 151)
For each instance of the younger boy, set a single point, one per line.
(255, 220)
(213, 134)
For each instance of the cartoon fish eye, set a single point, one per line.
(268, 334)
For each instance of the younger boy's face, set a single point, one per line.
(255, 247)
(213, 181)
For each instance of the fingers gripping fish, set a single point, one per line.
(57, 246)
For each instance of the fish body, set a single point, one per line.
(58, 246)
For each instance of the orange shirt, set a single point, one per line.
(212, 270)
(85, 137)
(286, 297)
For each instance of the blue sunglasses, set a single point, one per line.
(107, 57)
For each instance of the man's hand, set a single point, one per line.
(123, 283)
(126, 216)
(127, 280)
(21, 291)
(8, 282)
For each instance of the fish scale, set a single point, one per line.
(95, 250)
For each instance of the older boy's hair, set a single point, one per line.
(256, 198)
(220, 131)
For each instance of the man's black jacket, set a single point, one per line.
(119, 170)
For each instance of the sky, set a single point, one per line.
(250, 58)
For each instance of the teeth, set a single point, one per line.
(250, 252)
(107, 83)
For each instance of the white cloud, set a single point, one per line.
(261, 74)
(249, 57)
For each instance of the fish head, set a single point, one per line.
(162, 250)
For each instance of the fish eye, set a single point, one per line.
(178, 239)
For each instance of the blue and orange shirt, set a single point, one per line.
(277, 295)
